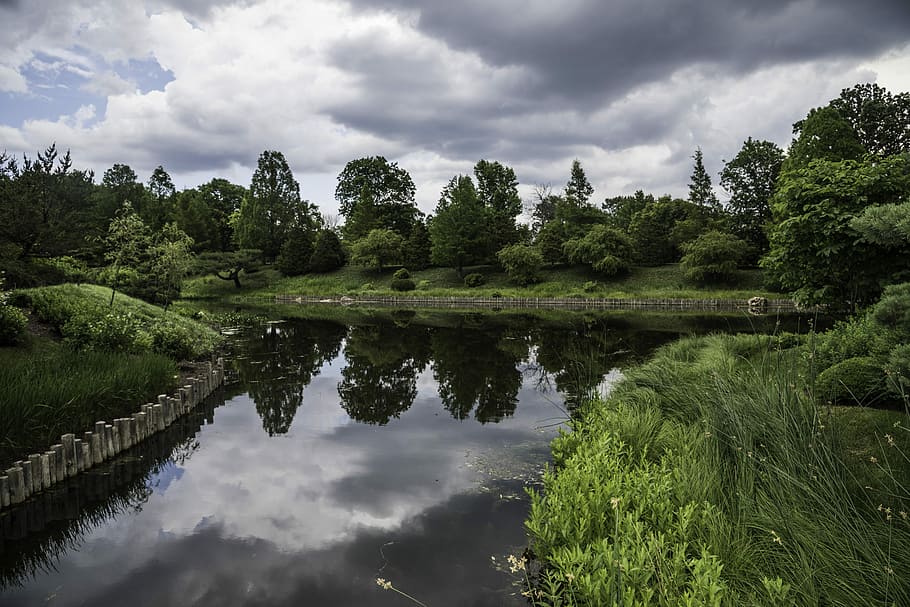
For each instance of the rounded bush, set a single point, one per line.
(403, 284)
(12, 324)
(474, 280)
(855, 381)
(401, 274)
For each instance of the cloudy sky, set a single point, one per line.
(629, 87)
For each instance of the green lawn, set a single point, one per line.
(642, 282)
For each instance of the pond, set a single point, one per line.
(394, 445)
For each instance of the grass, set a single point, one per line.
(642, 282)
(710, 477)
(49, 389)
(109, 360)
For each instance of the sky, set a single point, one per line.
(628, 87)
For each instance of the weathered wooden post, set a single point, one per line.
(52, 464)
(109, 441)
(46, 481)
(26, 467)
(102, 434)
(184, 399)
(115, 439)
(16, 485)
(4, 491)
(37, 482)
(159, 417)
(142, 425)
(69, 454)
(88, 460)
(97, 448)
(80, 464)
(59, 462)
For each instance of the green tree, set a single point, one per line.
(712, 257)
(880, 120)
(296, 252)
(160, 207)
(621, 209)
(578, 189)
(377, 249)
(823, 135)
(229, 265)
(815, 252)
(497, 191)
(126, 244)
(386, 186)
(700, 190)
(607, 250)
(521, 262)
(457, 231)
(328, 254)
(272, 207)
(886, 225)
(750, 179)
(658, 229)
(569, 221)
(170, 258)
(416, 249)
(118, 185)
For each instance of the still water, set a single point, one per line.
(396, 446)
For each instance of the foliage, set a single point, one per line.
(204, 213)
(750, 179)
(854, 381)
(87, 322)
(570, 220)
(823, 135)
(402, 284)
(272, 207)
(170, 258)
(658, 229)
(885, 225)
(700, 190)
(693, 484)
(12, 319)
(814, 250)
(401, 273)
(713, 257)
(416, 249)
(328, 254)
(296, 252)
(607, 250)
(621, 209)
(49, 389)
(377, 249)
(521, 262)
(880, 120)
(497, 192)
(578, 189)
(229, 265)
(126, 244)
(474, 279)
(383, 185)
(457, 231)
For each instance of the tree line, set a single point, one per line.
(827, 219)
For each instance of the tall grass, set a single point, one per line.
(710, 477)
(49, 390)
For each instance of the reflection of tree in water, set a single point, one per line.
(479, 368)
(380, 379)
(578, 356)
(281, 363)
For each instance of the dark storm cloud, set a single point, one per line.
(9, 4)
(588, 47)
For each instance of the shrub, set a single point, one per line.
(424, 285)
(712, 257)
(521, 262)
(111, 332)
(296, 252)
(172, 340)
(403, 284)
(607, 250)
(591, 286)
(12, 324)
(401, 273)
(474, 280)
(855, 381)
(328, 254)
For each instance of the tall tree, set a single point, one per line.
(118, 185)
(497, 191)
(457, 231)
(578, 189)
(272, 207)
(700, 190)
(377, 249)
(126, 244)
(161, 189)
(750, 179)
(383, 184)
(880, 120)
(823, 135)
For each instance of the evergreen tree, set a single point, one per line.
(578, 189)
(328, 254)
(416, 250)
(296, 252)
(700, 190)
(457, 231)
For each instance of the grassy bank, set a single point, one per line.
(84, 360)
(642, 282)
(710, 477)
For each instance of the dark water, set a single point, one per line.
(396, 446)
